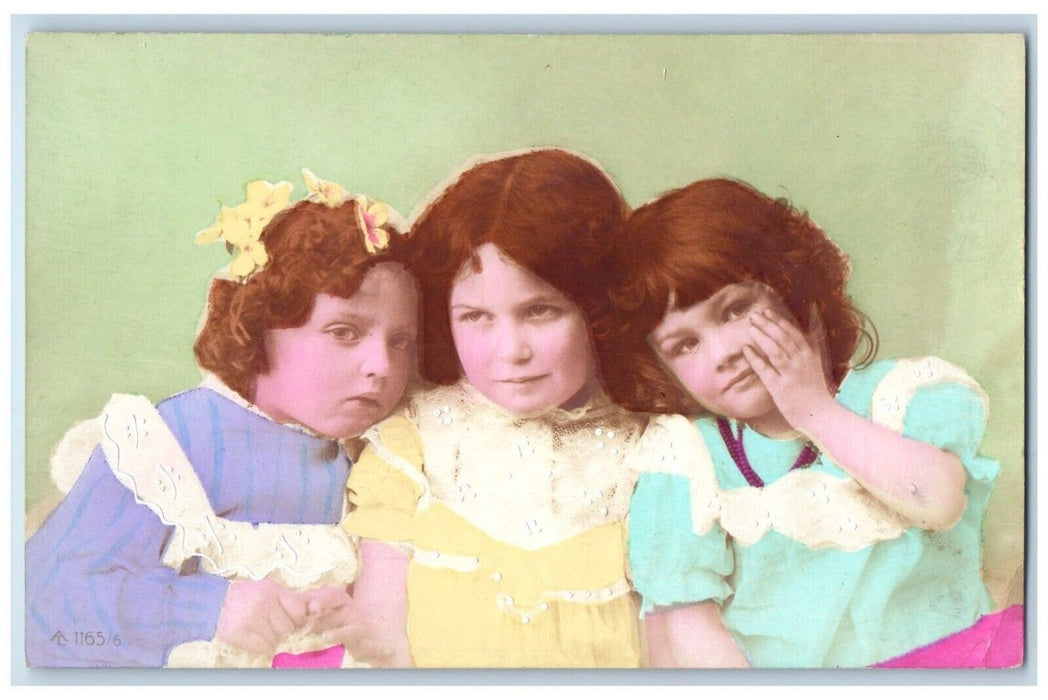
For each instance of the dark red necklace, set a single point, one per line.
(738, 454)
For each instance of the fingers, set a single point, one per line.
(377, 644)
(767, 346)
(764, 370)
(280, 623)
(334, 619)
(782, 334)
(294, 605)
(330, 608)
(350, 633)
(326, 598)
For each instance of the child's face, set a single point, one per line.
(521, 343)
(347, 366)
(702, 345)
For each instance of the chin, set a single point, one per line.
(750, 411)
(523, 404)
(345, 429)
(755, 414)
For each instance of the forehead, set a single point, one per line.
(706, 310)
(678, 318)
(387, 289)
(490, 272)
(383, 279)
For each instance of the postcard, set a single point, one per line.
(525, 351)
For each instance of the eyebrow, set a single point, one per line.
(672, 335)
(363, 322)
(541, 298)
(366, 322)
(344, 316)
(716, 302)
(727, 293)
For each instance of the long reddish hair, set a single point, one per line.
(691, 242)
(549, 211)
(313, 249)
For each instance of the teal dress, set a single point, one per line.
(789, 604)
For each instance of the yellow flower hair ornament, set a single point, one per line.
(241, 226)
(323, 191)
(372, 214)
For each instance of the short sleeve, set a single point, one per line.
(951, 416)
(386, 485)
(926, 399)
(670, 564)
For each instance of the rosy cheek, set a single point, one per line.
(470, 348)
(695, 380)
(295, 352)
(576, 340)
(682, 372)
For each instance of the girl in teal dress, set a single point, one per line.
(845, 529)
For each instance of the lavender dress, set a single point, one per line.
(94, 570)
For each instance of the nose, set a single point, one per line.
(513, 344)
(725, 346)
(377, 358)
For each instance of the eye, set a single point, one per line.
(402, 342)
(471, 316)
(682, 347)
(542, 312)
(737, 309)
(343, 333)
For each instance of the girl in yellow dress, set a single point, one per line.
(501, 494)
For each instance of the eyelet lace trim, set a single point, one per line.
(146, 458)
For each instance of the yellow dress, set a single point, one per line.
(516, 527)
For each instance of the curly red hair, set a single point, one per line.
(548, 210)
(691, 242)
(313, 249)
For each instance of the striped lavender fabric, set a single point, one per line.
(94, 567)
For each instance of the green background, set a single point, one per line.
(908, 150)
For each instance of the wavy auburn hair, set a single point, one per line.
(549, 211)
(693, 241)
(313, 249)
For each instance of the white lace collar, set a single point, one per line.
(597, 404)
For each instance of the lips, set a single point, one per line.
(523, 380)
(739, 378)
(370, 400)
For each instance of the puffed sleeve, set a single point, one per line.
(678, 553)
(669, 563)
(940, 405)
(386, 485)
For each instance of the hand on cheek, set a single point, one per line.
(788, 365)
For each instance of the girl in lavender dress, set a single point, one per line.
(203, 531)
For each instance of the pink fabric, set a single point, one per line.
(995, 641)
(325, 658)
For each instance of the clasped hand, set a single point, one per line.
(258, 616)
